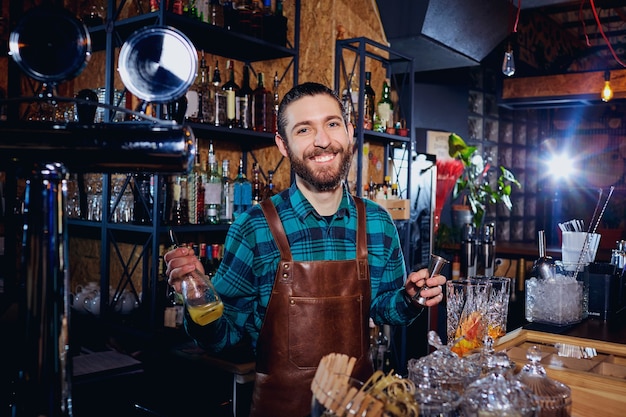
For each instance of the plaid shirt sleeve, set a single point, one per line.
(246, 275)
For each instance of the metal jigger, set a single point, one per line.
(434, 268)
(488, 248)
(469, 253)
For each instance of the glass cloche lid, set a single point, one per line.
(551, 394)
(499, 394)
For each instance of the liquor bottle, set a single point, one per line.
(226, 209)
(262, 100)
(231, 15)
(216, 256)
(275, 103)
(275, 24)
(142, 199)
(244, 16)
(216, 10)
(256, 20)
(195, 185)
(395, 193)
(244, 101)
(387, 186)
(165, 202)
(384, 109)
(204, 13)
(212, 190)
(176, 109)
(219, 97)
(230, 89)
(204, 258)
(346, 102)
(184, 202)
(177, 7)
(177, 217)
(195, 95)
(256, 185)
(242, 192)
(369, 103)
(192, 9)
(269, 189)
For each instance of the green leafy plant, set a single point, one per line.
(474, 187)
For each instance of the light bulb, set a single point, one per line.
(508, 64)
(607, 91)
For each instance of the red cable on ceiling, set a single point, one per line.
(513, 29)
(581, 17)
(519, 9)
(597, 18)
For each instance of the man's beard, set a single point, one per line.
(323, 179)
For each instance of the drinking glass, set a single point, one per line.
(435, 266)
(498, 307)
(467, 305)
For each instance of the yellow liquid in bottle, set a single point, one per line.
(206, 314)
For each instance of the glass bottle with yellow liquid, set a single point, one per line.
(199, 296)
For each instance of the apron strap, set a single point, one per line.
(361, 239)
(276, 227)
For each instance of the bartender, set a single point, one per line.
(304, 271)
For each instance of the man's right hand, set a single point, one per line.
(180, 262)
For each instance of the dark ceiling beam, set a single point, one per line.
(582, 85)
(574, 6)
(590, 22)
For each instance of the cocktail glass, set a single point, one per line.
(467, 306)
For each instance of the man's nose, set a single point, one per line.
(322, 139)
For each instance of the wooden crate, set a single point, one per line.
(598, 384)
(399, 209)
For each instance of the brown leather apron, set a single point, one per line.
(316, 308)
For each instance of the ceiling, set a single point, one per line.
(578, 19)
(452, 34)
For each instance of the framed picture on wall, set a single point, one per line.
(437, 144)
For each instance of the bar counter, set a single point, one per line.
(598, 383)
(613, 330)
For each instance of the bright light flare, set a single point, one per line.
(561, 166)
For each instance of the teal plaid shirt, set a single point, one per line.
(246, 274)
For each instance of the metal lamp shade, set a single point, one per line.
(158, 64)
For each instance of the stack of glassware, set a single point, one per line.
(498, 393)
(440, 379)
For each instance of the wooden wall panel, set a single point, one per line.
(574, 85)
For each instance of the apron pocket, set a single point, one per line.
(319, 326)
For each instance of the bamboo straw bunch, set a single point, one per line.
(380, 396)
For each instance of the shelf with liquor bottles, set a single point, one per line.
(382, 120)
(376, 86)
(132, 229)
(130, 214)
(356, 60)
(231, 38)
(234, 40)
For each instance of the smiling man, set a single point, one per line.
(304, 271)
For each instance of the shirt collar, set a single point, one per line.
(303, 207)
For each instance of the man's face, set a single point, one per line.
(318, 142)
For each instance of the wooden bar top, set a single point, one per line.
(613, 330)
(597, 382)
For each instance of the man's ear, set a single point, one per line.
(280, 143)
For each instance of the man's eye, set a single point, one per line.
(302, 131)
